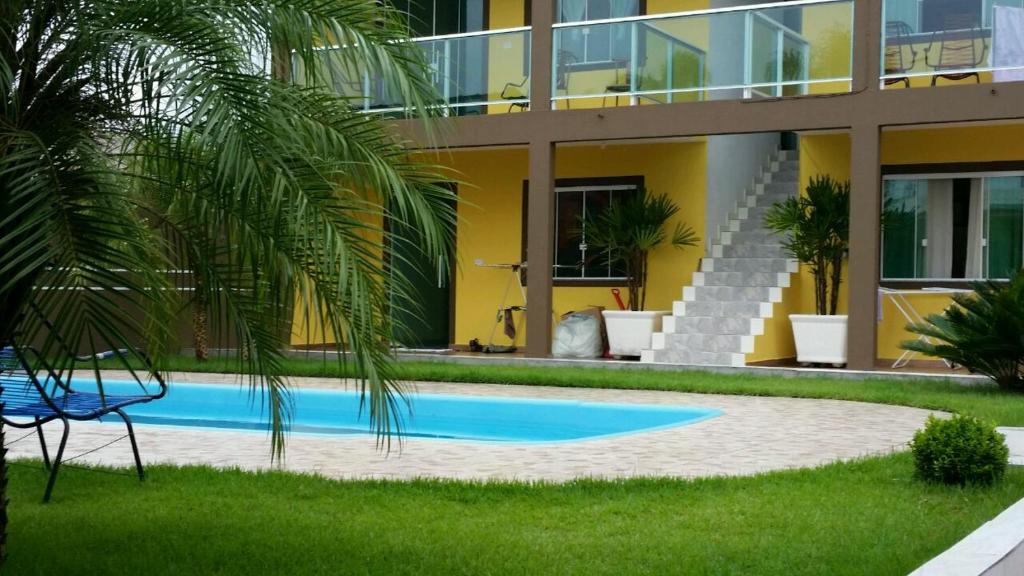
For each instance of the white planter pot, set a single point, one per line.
(819, 339)
(630, 332)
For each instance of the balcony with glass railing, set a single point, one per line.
(950, 42)
(474, 73)
(755, 51)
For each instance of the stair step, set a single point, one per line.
(749, 265)
(781, 175)
(752, 213)
(759, 236)
(723, 309)
(732, 294)
(718, 343)
(713, 325)
(743, 225)
(774, 187)
(741, 279)
(768, 200)
(721, 313)
(748, 251)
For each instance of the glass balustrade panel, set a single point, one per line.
(948, 42)
(474, 73)
(748, 52)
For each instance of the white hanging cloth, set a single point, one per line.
(1007, 43)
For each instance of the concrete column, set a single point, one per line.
(867, 45)
(865, 245)
(540, 241)
(542, 16)
(866, 193)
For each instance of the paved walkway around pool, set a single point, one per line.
(754, 434)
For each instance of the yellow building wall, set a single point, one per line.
(490, 226)
(959, 144)
(819, 154)
(830, 154)
(828, 30)
(990, 143)
(892, 327)
(307, 327)
(506, 14)
(669, 6)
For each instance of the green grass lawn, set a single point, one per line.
(866, 517)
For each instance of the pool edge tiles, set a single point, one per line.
(440, 416)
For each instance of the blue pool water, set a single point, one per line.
(433, 415)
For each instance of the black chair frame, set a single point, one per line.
(897, 42)
(957, 42)
(520, 101)
(62, 403)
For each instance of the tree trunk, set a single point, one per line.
(11, 305)
(820, 286)
(3, 491)
(837, 279)
(200, 333)
(633, 282)
(643, 282)
(200, 326)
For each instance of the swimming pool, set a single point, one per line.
(482, 418)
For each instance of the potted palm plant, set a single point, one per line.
(625, 233)
(817, 229)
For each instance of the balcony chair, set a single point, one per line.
(25, 396)
(957, 48)
(897, 43)
(515, 93)
(621, 83)
(566, 60)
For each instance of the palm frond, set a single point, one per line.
(171, 147)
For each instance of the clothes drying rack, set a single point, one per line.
(506, 312)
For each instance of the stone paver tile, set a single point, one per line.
(755, 434)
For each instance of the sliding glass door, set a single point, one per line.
(1005, 225)
(905, 226)
(950, 227)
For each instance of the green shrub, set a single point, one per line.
(960, 450)
(983, 332)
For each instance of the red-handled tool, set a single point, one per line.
(618, 299)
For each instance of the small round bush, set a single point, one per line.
(961, 450)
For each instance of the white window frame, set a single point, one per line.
(983, 176)
(584, 278)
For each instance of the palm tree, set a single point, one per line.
(817, 225)
(145, 136)
(629, 229)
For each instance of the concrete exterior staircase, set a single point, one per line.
(736, 288)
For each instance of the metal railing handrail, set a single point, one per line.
(495, 32)
(755, 85)
(909, 74)
(452, 106)
(650, 26)
(459, 35)
(783, 28)
(441, 69)
(693, 13)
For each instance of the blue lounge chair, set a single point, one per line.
(27, 396)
